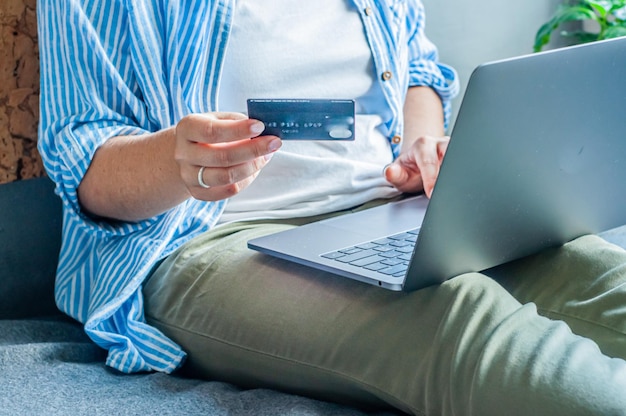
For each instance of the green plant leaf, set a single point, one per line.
(542, 37)
(575, 13)
(617, 5)
(614, 32)
(562, 15)
(619, 11)
(600, 7)
(610, 14)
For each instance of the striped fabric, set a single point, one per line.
(126, 67)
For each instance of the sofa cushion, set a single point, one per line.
(30, 239)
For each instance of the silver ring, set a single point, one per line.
(200, 180)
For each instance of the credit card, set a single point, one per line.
(303, 119)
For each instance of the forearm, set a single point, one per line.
(133, 178)
(138, 177)
(423, 115)
(424, 144)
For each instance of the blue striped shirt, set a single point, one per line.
(114, 67)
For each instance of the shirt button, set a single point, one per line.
(368, 11)
(387, 75)
(396, 139)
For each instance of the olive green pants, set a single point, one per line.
(476, 344)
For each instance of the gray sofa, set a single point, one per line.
(49, 367)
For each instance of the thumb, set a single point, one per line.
(395, 174)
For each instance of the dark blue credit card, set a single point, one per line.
(303, 119)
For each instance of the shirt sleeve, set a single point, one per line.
(425, 69)
(88, 91)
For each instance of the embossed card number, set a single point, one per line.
(304, 119)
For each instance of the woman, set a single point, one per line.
(143, 132)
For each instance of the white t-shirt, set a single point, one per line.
(317, 49)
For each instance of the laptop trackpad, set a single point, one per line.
(313, 239)
(383, 220)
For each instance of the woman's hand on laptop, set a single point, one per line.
(417, 167)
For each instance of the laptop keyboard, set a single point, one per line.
(389, 255)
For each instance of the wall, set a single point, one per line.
(19, 91)
(469, 33)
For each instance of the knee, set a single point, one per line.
(475, 306)
(476, 294)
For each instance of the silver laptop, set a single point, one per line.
(537, 157)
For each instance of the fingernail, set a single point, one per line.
(257, 128)
(274, 145)
(268, 157)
